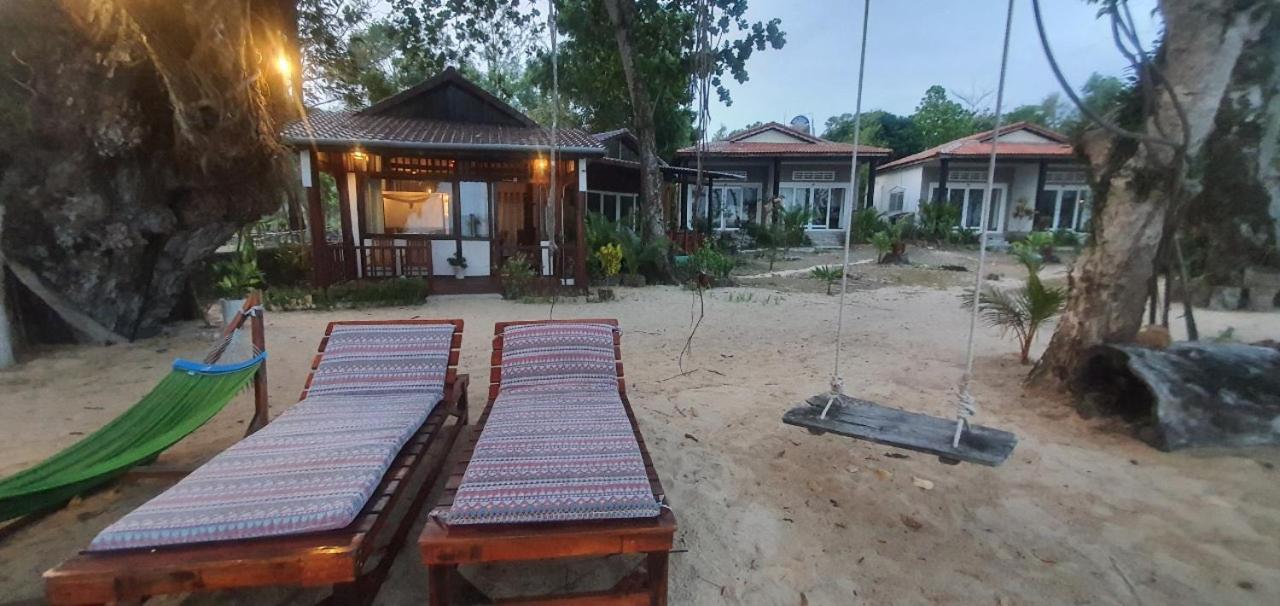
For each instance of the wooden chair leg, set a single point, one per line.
(438, 576)
(656, 566)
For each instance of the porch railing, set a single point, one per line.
(355, 261)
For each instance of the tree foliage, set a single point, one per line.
(355, 56)
(591, 72)
(940, 119)
(879, 128)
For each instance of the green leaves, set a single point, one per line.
(1021, 310)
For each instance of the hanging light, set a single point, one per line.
(284, 65)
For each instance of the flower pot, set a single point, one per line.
(459, 272)
(230, 307)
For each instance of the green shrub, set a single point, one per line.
(967, 236)
(828, 273)
(240, 274)
(794, 221)
(1066, 237)
(1040, 240)
(866, 222)
(287, 298)
(286, 265)
(373, 293)
(1028, 256)
(517, 276)
(937, 221)
(883, 244)
(711, 261)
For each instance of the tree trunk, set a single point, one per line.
(622, 16)
(1137, 184)
(6, 335)
(140, 136)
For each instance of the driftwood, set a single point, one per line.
(1197, 394)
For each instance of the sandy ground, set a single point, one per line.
(1081, 514)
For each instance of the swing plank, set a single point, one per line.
(864, 420)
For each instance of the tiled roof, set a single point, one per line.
(808, 145)
(754, 148)
(344, 127)
(979, 145)
(609, 134)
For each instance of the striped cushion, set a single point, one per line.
(550, 454)
(559, 355)
(382, 359)
(314, 467)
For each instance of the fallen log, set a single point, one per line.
(1197, 394)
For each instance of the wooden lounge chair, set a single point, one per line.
(354, 560)
(444, 547)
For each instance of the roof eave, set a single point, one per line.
(382, 143)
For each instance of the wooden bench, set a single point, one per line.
(354, 560)
(444, 548)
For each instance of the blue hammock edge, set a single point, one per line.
(217, 369)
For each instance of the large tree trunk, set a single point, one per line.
(6, 334)
(1136, 185)
(622, 16)
(140, 135)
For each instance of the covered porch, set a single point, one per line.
(406, 214)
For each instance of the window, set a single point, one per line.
(474, 199)
(1062, 207)
(968, 197)
(734, 206)
(614, 206)
(403, 206)
(813, 175)
(897, 197)
(825, 203)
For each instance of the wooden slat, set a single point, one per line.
(312, 559)
(869, 421)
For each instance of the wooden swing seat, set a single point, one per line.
(864, 420)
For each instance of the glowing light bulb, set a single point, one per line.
(283, 65)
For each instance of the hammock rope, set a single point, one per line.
(191, 394)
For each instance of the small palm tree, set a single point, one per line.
(827, 273)
(1021, 310)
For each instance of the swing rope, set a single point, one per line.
(966, 404)
(553, 196)
(837, 381)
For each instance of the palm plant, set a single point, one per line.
(866, 222)
(1023, 310)
(827, 273)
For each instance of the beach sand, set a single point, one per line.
(1082, 513)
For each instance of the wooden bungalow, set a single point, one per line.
(444, 170)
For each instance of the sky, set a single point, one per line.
(913, 44)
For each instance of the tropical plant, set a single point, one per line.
(883, 244)
(890, 243)
(710, 261)
(827, 273)
(1043, 242)
(964, 235)
(517, 275)
(610, 256)
(937, 220)
(866, 222)
(1023, 310)
(240, 274)
(457, 261)
(640, 258)
(794, 221)
(1028, 256)
(767, 237)
(1066, 237)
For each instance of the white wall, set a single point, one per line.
(910, 179)
(1022, 192)
(1024, 136)
(772, 136)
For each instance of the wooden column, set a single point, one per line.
(580, 279)
(261, 411)
(1041, 171)
(941, 194)
(871, 184)
(344, 216)
(315, 217)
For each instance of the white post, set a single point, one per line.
(6, 335)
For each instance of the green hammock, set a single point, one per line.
(180, 403)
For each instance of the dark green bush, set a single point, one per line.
(866, 222)
(937, 220)
(373, 293)
(517, 277)
(286, 265)
(711, 261)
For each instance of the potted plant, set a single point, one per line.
(238, 276)
(459, 264)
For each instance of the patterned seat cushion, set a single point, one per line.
(551, 450)
(559, 356)
(382, 360)
(314, 467)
